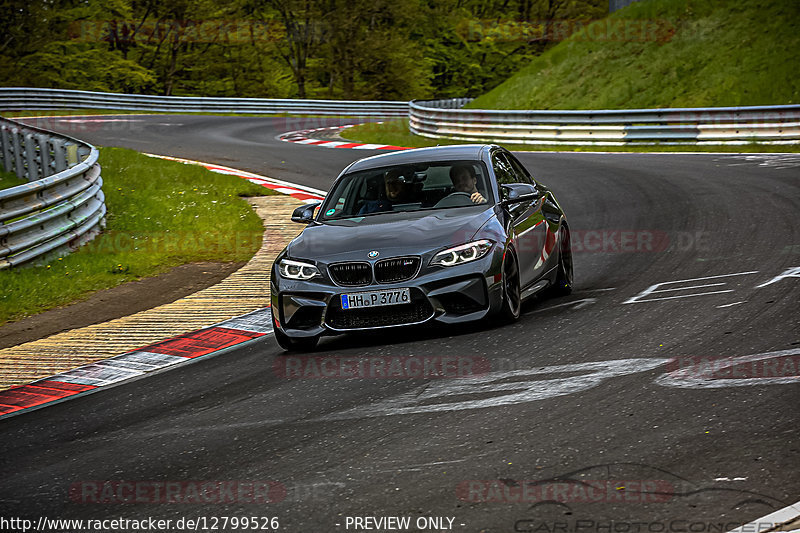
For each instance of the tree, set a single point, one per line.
(355, 49)
(301, 21)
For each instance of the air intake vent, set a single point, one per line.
(396, 269)
(351, 274)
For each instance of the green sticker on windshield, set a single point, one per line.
(329, 212)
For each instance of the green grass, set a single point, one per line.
(722, 53)
(396, 133)
(9, 179)
(392, 132)
(687, 53)
(161, 214)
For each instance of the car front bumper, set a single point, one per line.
(447, 295)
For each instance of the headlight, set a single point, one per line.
(296, 270)
(462, 254)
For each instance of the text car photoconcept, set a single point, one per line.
(433, 235)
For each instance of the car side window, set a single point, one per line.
(341, 203)
(522, 173)
(502, 169)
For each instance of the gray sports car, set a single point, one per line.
(433, 235)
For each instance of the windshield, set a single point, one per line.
(412, 187)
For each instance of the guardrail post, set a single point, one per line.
(59, 155)
(31, 157)
(45, 156)
(83, 152)
(6, 151)
(16, 145)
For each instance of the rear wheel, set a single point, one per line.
(512, 297)
(563, 283)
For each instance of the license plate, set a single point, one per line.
(357, 300)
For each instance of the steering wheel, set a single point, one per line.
(455, 199)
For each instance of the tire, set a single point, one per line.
(564, 280)
(512, 295)
(299, 344)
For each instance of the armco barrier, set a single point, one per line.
(25, 98)
(447, 119)
(714, 125)
(61, 207)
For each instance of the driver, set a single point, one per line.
(464, 180)
(398, 191)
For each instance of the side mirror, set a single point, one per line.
(515, 193)
(305, 213)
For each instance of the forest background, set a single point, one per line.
(338, 49)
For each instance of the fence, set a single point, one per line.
(714, 125)
(447, 118)
(24, 98)
(60, 207)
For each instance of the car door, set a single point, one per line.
(530, 232)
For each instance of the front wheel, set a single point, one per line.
(512, 297)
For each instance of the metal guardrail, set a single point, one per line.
(25, 98)
(447, 118)
(61, 207)
(713, 125)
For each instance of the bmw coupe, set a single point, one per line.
(433, 235)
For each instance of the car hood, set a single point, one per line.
(389, 234)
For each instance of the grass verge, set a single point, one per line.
(654, 54)
(396, 133)
(666, 53)
(9, 179)
(161, 214)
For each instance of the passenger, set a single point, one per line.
(398, 191)
(464, 180)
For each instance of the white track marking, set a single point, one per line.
(697, 376)
(655, 288)
(777, 161)
(793, 272)
(783, 516)
(731, 305)
(505, 388)
(576, 304)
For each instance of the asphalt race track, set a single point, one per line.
(573, 419)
